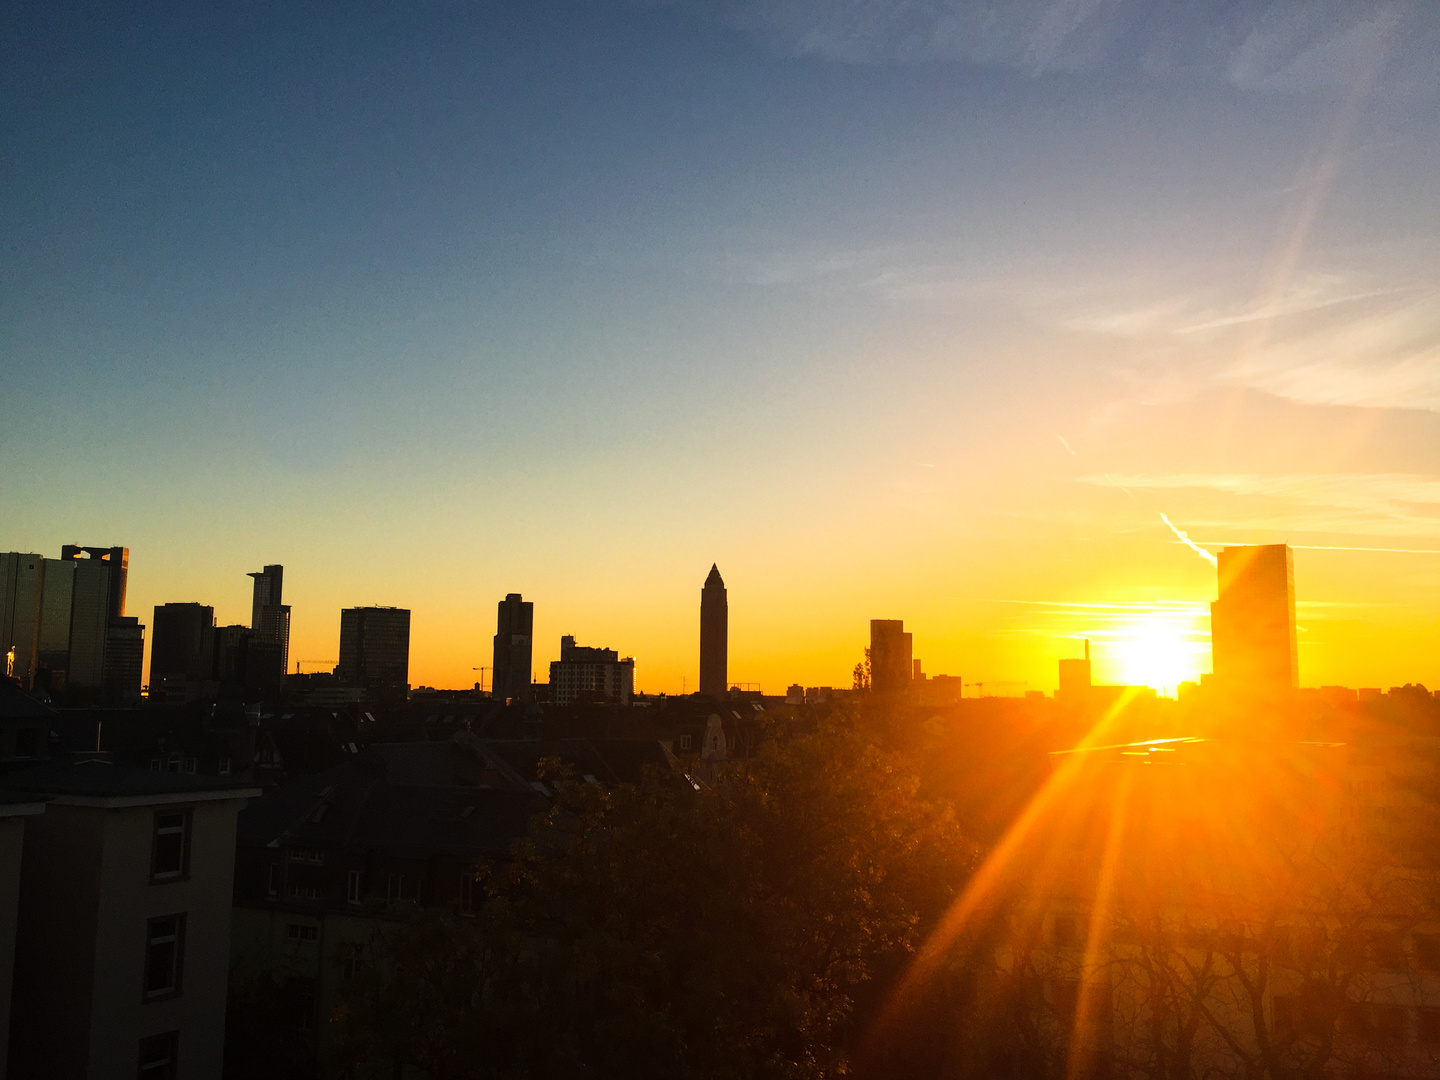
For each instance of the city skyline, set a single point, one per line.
(887, 307)
(1261, 619)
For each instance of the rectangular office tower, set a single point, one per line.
(714, 635)
(890, 655)
(375, 648)
(1252, 623)
(270, 616)
(22, 579)
(105, 649)
(182, 645)
(514, 632)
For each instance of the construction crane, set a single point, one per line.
(482, 671)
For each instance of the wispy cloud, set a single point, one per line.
(1280, 46)
(1385, 503)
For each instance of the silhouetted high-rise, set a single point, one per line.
(182, 643)
(1252, 623)
(269, 616)
(98, 624)
(375, 648)
(890, 655)
(514, 633)
(22, 579)
(714, 635)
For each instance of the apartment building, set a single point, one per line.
(122, 920)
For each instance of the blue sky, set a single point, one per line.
(879, 304)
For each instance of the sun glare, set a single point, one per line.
(1158, 649)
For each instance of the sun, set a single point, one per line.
(1158, 649)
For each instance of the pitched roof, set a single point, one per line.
(16, 704)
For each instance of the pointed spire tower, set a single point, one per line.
(714, 635)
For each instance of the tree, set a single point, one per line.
(669, 932)
(861, 674)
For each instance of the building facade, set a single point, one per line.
(270, 617)
(56, 601)
(375, 648)
(322, 860)
(514, 634)
(891, 666)
(182, 648)
(714, 634)
(123, 922)
(1252, 622)
(22, 579)
(586, 674)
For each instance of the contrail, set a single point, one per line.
(1191, 543)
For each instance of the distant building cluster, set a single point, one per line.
(63, 622)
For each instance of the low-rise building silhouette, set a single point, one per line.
(587, 674)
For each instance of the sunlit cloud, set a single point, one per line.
(1383, 502)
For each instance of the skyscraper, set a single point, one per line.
(714, 635)
(56, 601)
(269, 616)
(1252, 623)
(97, 606)
(514, 632)
(124, 660)
(182, 643)
(890, 654)
(375, 648)
(22, 579)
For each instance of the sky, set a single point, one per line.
(920, 309)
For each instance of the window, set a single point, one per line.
(684, 742)
(306, 1002)
(164, 956)
(311, 855)
(303, 932)
(394, 887)
(352, 887)
(273, 886)
(470, 892)
(351, 964)
(157, 1056)
(223, 768)
(170, 852)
